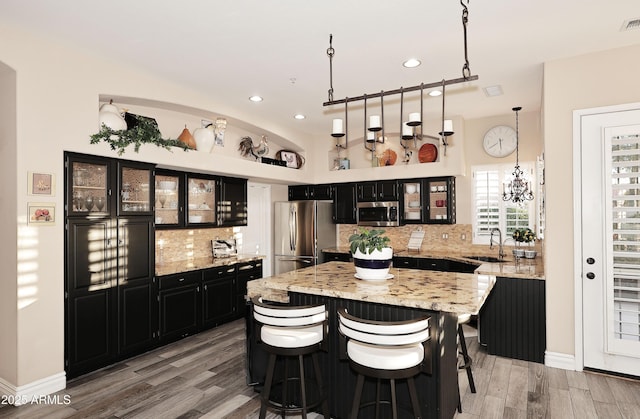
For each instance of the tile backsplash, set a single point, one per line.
(186, 244)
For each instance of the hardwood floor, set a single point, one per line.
(203, 376)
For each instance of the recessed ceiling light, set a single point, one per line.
(299, 116)
(435, 93)
(411, 63)
(491, 91)
(256, 98)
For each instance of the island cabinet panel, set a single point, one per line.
(437, 390)
(247, 271)
(513, 320)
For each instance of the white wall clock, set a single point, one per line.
(500, 141)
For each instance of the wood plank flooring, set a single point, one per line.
(203, 376)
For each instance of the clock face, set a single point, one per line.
(500, 141)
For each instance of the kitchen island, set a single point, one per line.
(410, 293)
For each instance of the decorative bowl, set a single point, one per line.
(530, 254)
(519, 253)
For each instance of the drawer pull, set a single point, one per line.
(181, 279)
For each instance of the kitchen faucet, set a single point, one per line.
(500, 248)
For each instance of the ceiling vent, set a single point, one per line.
(491, 91)
(630, 24)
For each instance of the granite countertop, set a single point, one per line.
(523, 268)
(430, 290)
(187, 265)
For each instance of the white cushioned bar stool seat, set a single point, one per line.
(291, 332)
(394, 350)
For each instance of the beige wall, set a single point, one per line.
(594, 80)
(8, 231)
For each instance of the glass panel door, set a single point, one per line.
(135, 194)
(412, 201)
(89, 193)
(167, 200)
(623, 293)
(201, 200)
(438, 201)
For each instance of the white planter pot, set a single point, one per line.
(373, 266)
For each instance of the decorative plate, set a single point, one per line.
(428, 153)
(388, 158)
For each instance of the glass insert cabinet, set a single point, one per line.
(100, 187)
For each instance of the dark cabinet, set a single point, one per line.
(169, 199)
(322, 192)
(179, 306)
(90, 303)
(136, 286)
(428, 200)
(247, 271)
(439, 200)
(433, 264)
(231, 202)
(513, 319)
(338, 257)
(382, 190)
(344, 203)
(109, 261)
(218, 294)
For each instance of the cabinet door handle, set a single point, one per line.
(180, 279)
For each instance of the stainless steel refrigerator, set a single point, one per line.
(302, 230)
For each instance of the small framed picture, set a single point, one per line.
(41, 184)
(290, 158)
(41, 213)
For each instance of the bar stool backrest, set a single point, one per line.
(388, 333)
(288, 316)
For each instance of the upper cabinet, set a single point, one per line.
(169, 200)
(200, 199)
(107, 187)
(382, 190)
(440, 200)
(318, 192)
(344, 203)
(429, 200)
(232, 201)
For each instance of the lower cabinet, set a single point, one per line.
(218, 295)
(433, 264)
(179, 305)
(512, 322)
(195, 301)
(247, 271)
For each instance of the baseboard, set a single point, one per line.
(560, 360)
(35, 392)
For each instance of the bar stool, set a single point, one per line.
(467, 361)
(391, 351)
(287, 332)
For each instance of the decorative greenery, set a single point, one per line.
(368, 240)
(144, 131)
(524, 235)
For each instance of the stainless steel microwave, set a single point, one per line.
(383, 214)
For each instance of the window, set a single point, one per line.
(491, 211)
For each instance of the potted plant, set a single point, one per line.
(372, 254)
(524, 235)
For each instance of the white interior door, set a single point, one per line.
(610, 248)
(257, 234)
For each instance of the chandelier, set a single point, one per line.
(518, 190)
(410, 129)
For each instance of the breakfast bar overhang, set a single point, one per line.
(410, 293)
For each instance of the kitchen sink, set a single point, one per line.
(491, 259)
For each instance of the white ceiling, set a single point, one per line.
(232, 49)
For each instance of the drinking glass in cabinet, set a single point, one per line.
(89, 187)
